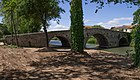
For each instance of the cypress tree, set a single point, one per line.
(136, 36)
(77, 32)
(137, 47)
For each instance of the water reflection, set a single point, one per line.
(118, 50)
(55, 43)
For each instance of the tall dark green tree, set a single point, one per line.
(77, 32)
(136, 33)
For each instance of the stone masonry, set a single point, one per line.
(105, 37)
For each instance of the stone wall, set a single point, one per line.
(105, 37)
(28, 40)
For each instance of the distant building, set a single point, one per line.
(124, 28)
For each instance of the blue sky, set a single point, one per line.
(0, 19)
(111, 15)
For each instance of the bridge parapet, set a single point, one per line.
(105, 37)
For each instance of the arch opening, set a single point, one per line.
(123, 42)
(58, 41)
(101, 41)
(92, 42)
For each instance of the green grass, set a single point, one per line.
(12, 46)
(92, 40)
(54, 38)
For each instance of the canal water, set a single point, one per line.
(118, 50)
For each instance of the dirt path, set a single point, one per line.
(29, 64)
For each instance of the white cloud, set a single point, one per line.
(116, 22)
(56, 27)
(123, 18)
(113, 22)
(86, 21)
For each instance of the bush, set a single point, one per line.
(92, 40)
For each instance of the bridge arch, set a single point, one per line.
(64, 41)
(101, 40)
(123, 42)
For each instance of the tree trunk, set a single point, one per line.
(45, 30)
(76, 29)
(46, 36)
(16, 26)
(15, 32)
(12, 25)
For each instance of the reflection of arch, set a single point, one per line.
(64, 41)
(102, 41)
(123, 42)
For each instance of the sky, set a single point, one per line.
(109, 16)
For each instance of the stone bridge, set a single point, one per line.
(105, 37)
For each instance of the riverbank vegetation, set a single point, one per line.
(92, 40)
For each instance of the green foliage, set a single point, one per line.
(11, 11)
(136, 19)
(97, 26)
(41, 11)
(136, 35)
(137, 46)
(102, 3)
(132, 43)
(77, 32)
(12, 46)
(55, 38)
(92, 40)
(24, 16)
(3, 30)
(29, 26)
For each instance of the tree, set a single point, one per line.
(76, 29)
(136, 35)
(16, 22)
(29, 15)
(42, 11)
(8, 10)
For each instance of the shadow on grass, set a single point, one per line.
(72, 66)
